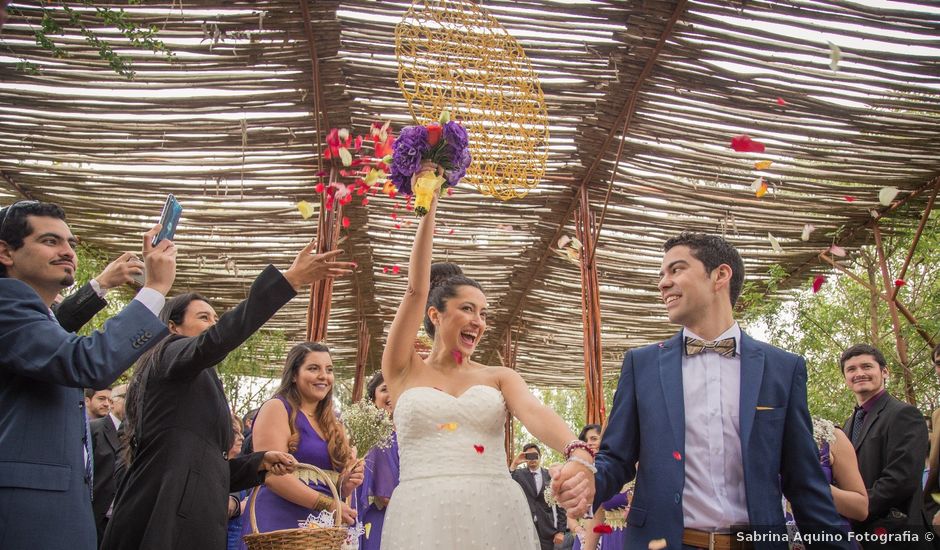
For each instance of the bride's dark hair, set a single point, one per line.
(446, 278)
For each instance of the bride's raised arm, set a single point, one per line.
(399, 354)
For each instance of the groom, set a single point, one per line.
(712, 423)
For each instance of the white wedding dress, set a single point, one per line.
(455, 490)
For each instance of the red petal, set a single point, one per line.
(397, 226)
(345, 222)
(478, 449)
(603, 529)
(385, 269)
(780, 101)
(451, 232)
(365, 201)
(457, 356)
(899, 282)
(394, 215)
(450, 191)
(849, 198)
(676, 455)
(396, 269)
(744, 144)
(818, 283)
(880, 531)
(358, 142)
(319, 188)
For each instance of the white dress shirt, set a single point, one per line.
(537, 476)
(116, 421)
(713, 497)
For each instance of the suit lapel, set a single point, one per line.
(110, 433)
(529, 482)
(670, 375)
(752, 374)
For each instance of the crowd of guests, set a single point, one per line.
(161, 462)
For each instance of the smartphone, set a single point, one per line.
(169, 219)
(531, 456)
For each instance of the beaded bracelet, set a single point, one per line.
(578, 444)
(584, 463)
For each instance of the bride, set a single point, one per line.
(455, 489)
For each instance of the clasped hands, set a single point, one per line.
(573, 488)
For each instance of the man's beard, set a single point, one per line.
(67, 281)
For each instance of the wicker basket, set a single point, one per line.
(302, 538)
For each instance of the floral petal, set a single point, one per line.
(458, 356)
(781, 102)
(478, 449)
(887, 195)
(774, 243)
(818, 283)
(448, 426)
(899, 282)
(835, 56)
(837, 250)
(676, 454)
(848, 198)
(345, 222)
(744, 144)
(763, 164)
(807, 230)
(396, 270)
(306, 209)
(345, 156)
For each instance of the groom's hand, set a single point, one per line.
(574, 489)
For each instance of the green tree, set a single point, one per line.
(250, 374)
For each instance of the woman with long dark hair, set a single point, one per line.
(178, 421)
(300, 420)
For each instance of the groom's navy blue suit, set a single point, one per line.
(647, 425)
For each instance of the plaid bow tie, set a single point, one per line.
(724, 347)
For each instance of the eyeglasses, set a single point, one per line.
(9, 210)
(113, 397)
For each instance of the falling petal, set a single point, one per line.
(762, 191)
(458, 356)
(837, 250)
(449, 426)
(807, 230)
(835, 56)
(603, 529)
(818, 283)
(874, 213)
(744, 144)
(563, 240)
(478, 449)
(677, 455)
(899, 282)
(306, 209)
(320, 188)
(345, 222)
(385, 269)
(368, 528)
(365, 201)
(345, 156)
(451, 232)
(781, 102)
(343, 134)
(763, 164)
(450, 191)
(396, 270)
(848, 198)
(774, 243)
(887, 194)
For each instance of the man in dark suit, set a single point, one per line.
(931, 508)
(108, 449)
(45, 481)
(890, 439)
(717, 421)
(549, 525)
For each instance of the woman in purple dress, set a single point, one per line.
(610, 520)
(381, 475)
(300, 420)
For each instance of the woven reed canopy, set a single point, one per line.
(845, 96)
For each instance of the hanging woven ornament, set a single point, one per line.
(454, 56)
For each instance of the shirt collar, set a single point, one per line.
(734, 331)
(870, 404)
(115, 420)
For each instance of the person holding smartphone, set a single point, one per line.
(550, 522)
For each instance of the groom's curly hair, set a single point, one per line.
(713, 251)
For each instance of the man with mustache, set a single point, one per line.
(890, 439)
(45, 452)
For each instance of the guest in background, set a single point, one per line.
(549, 524)
(236, 500)
(609, 519)
(381, 474)
(300, 420)
(248, 422)
(178, 422)
(97, 403)
(108, 452)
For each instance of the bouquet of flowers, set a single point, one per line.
(367, 426)
(438, 153)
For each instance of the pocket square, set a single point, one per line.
(764, 408)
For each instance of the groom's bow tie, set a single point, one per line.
(724, 347)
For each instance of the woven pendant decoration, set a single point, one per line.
(453, 55)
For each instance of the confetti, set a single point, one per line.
(781, 102)
(458, 356)
(762, 190)
(306, 209)
(451, 232)
(887, 194)
(345, 222)
(449, 426)
(676, 455)
(396, 269)
(320, 188)
(899, 282)
(807, 230)
(774, 243)
(744, 144)
(763, 164)
(385, 269)
(365, 201)
(818, 283)
(837, 250)
(848, 198)
(478, 449)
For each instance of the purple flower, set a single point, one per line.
(459, 170)
(409, 150)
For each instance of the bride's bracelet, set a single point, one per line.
(584, 463)
(578, 444)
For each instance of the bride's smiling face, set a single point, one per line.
(460, 326)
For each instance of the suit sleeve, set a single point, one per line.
(243, 471)
(35, 346)
(79, 308)
(186, 357)
(620, 444)
(801, 477)
(906, 450)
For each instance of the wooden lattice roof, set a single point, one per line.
(229, 130)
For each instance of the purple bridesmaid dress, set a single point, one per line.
(615, 539)
(381, 478)
(272, 512)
